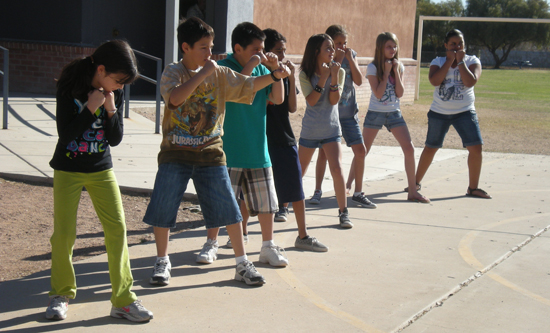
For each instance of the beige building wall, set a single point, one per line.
(363, 19)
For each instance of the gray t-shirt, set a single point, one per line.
(320, 120)
(347, 106)
(389, 102)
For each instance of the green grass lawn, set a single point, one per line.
(526, 90)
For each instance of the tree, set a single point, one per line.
(501, 38)
(434, 31)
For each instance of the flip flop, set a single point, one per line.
(483, 194)
(421, 200)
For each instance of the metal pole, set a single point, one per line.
(127, 101)
(6, 86)
(419, 56)
(157, 113)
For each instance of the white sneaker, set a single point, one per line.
(132, 312)
(57, 308)
(230, 245)
(273, 255)
(209, 252)
(161, 272)
(316, 198)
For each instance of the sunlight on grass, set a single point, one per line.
(504, 89)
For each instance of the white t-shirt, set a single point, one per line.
(452, 96)
(389, 101)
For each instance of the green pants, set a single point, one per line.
(105, 194)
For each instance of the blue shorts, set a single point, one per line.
(465, 123)
(351, 131)
(287, 173)
(377, 119)
(318, 143)
(213, 187)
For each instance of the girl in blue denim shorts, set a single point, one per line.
(454, 77)
(385, 75)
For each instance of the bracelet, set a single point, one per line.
(114, 111)
(460, 63)
(333, 87)
(318, 89)
(274, 77)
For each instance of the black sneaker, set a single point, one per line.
(281, 215)
(345, 223)
(362, 200)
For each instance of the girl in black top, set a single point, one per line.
(89, 121)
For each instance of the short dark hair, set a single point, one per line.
(272, 36)
(192, 30)
(453, 33)
(335, 30)
(244, 34)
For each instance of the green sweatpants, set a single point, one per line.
(105, 194)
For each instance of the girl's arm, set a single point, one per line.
(292, 102)
(183, 91)
(336, 80)
(314, 96)
(437, 74)
(379, 87)
(114, 129)
(469, 75)
(399, 87)
(70, 127)
(355, 71)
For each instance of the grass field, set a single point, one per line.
(511, 103)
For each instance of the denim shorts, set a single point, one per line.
(377, 119)
(213, 187)
(465, 123)
(318, 143)
(351, 131)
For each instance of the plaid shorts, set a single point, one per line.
(257, 187)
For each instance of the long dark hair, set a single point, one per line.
(117, 57)
(313, 47)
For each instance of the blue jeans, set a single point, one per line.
(351, 131)
(465, 123)
(377, 119)
(216, 198)
(318, 143)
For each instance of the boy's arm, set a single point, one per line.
(263, 81)
(183, 91)
(292, 101)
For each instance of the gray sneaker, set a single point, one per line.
(310, 244)
(161, 272)
(281, 215)
(132, 312)
(209, 252)
(230, 245)
(345, 223)
(362, 200)
(57, 308)
(246, 272)
(316, 198)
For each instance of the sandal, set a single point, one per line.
(481, 193)
(422, 199)
(418, 188)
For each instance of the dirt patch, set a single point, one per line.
(26, 211)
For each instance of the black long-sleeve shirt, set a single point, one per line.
(84, 138)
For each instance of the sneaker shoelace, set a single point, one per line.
(160, 266)
(57, 301)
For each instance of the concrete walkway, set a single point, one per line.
(450, 266)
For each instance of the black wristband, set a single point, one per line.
(318, 89)
(274, 77)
